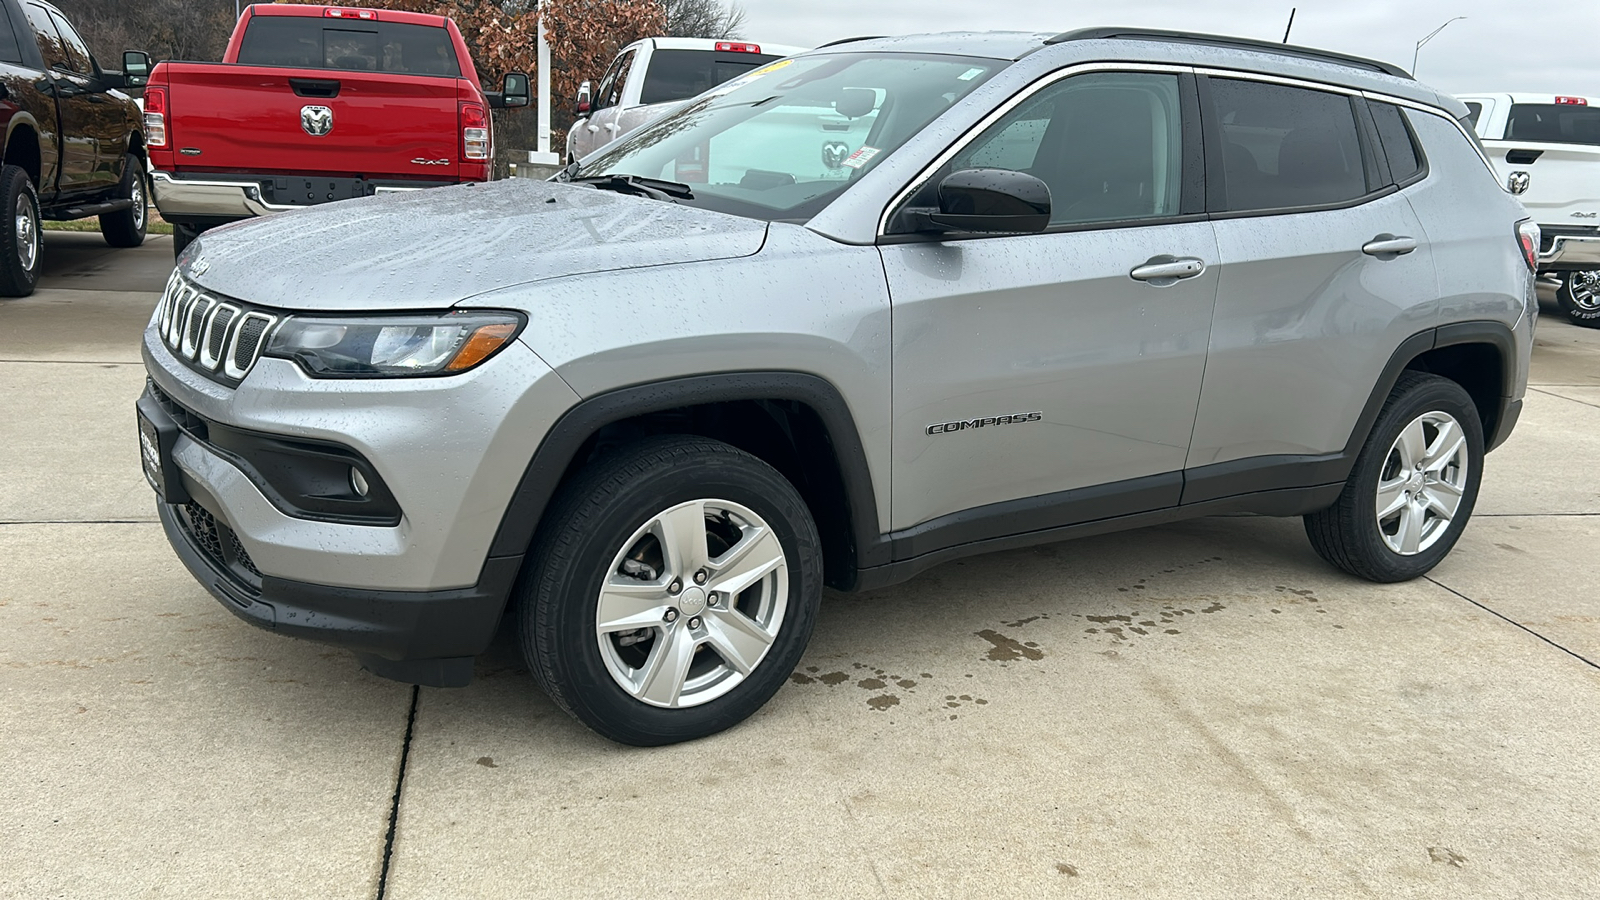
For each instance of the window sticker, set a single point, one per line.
(861, 157)
(969, 74)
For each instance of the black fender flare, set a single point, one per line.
(567, 436)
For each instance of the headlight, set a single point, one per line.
(391, 346)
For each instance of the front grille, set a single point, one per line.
(217, 541)
(219, 337)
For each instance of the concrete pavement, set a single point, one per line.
(1201, 709)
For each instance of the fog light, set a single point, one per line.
(358, 482)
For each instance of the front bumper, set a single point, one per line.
(421, 637)
(1569, 252)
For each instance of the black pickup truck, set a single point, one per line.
(74, 141)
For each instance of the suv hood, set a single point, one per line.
(433, 249)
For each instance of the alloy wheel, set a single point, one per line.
(1422, 482)
(27, 231)
(692, 603)
(1584, 288)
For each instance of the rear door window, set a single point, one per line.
(1286, 147)
(302, 42)
(1548, 123)
(1405, 162)
(77, 51)
(10, 47)
(681, 74)
(51, 47)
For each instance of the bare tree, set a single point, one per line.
(167, 29)
(703, 18)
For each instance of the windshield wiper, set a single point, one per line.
(639, 186)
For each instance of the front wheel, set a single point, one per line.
(126, 227)
(672, 590)
(19, 233)
(1579, 296)
(1413, 487)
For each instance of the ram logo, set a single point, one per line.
(316, 120)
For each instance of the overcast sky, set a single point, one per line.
(1502, 45)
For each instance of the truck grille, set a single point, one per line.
(217, 336)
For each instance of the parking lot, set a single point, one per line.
(1200, 708)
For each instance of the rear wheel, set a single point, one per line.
(673, 589)
(1413, 487)
(126, 227)
(20, 247)
(182, 236)
(1579, 296)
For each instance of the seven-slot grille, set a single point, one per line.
(222, 338)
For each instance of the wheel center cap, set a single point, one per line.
(692, 601)
(1416, 481)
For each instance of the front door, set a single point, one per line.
(74, 109)
(1029, 366)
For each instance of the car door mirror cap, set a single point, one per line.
(992, 201)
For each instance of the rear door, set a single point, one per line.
(603, 125)
(1029, 366)
(313, 95)
(105, 123)
(1308, 307)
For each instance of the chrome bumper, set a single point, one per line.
(182, 197)
(1572, 250)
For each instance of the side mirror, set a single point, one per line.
(135, 72)
(515, 90)
(582, 106)
(993, 201)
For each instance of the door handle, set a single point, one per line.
(1389, 245)
(1162, 271)
(592, 128)
(611, 127)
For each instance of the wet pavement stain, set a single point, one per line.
(487, 762)
(1069, 871)
(798, 678)
(882, 702)
(1447, 856)
(1007, 649)
(873, 684)
(833, 678)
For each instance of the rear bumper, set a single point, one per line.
(210, 198)
(1571, 251)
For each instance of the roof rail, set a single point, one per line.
(1214, 40)
(864, 37)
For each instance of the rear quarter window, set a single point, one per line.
(1405, 159)
(680, 74)
(309, 43)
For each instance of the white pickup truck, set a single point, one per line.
(1546, 149)
(651, 76)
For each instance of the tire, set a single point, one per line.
(20, 240)
(127, 227)
(182, 237)
(1579, 296)
(610, 518)
(1352, 536)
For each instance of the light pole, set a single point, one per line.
(1431, 35)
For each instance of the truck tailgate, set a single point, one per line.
(249, 119)
(1563, 179)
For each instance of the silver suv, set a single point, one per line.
(857, 313)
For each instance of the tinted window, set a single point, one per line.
(10, 50)
(51, 47)
(305, 43)
(1474, 112)
(1551, 124)
(611, 93)
(1286, 147)
(1110, 146)
(77, 51)
(681, 74)
(1398, 145)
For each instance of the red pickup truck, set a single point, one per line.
(313, 104)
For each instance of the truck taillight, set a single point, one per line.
(1571, 101)
(474, 131)
(1528, 238)
(364, 14)
(155, 118)
(736, 47)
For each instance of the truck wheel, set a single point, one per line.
(673, 587)
(182, 237)
(19, 233)
(1579, 296)
(1413, 486)
(126, 227)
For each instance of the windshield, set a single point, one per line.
(781, 142)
